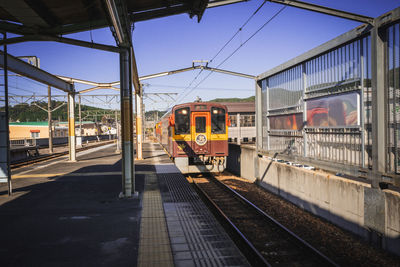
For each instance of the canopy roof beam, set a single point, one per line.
(39, 37)
(21, 67)
(325, 10)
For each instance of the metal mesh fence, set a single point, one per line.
(285, 88)
(321, 108)
(393, 97)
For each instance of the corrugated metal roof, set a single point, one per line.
(30, 123)
(63, 17)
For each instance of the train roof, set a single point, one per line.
(193, 105)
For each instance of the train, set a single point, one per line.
(195, 135)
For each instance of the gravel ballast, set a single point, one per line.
(340, 245)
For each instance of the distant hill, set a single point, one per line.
(30, 112)
(248, 99)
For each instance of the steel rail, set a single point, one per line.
(267, 217)
(253, 255)
(261, 212)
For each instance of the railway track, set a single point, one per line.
(264, 241)
(52, 156)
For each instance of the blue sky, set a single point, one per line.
(173, 42)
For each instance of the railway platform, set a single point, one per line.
(69, 214)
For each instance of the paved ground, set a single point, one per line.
(69, 214)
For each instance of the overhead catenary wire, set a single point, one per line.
(204, 88)
(238, 31)
(237, 49)
(21, 89)
(224, 46)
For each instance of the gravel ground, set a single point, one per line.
(343, 247)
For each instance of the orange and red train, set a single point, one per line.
(196, 136)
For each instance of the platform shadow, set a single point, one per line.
(72, 220)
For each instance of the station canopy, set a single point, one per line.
(60, 17)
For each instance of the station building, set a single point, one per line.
(242, 117)
(33, 130)
(40, 129)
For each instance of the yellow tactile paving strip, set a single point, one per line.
(154, 246)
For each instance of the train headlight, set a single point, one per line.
(184, 111)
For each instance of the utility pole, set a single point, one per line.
(49, 120)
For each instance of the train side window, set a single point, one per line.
(200, 124)
(218, 120)
(182, 121)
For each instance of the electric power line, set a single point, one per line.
(239, 30)
(237, 49)
(205, 88)
(223, 47)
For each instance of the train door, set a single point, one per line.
(201, 134)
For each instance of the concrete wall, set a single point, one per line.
(247, 156)
(334, 198)
(392, 216)
(233, 160)
(352, 205)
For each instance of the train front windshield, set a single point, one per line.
(218, 120)
(182, 121)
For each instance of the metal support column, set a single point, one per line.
(71, 127)
(143, 121)
(128, 181)
(5, 173)
(362, 105)
(238, 128)
(139, 124)
(305, 139)
(259, 138)
(49, 119)
(80, 115)
(80, 121)
(379, 107)
(117, 132)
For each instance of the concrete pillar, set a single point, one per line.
(139, 124)
(71, 127)
(128, 181)
(379, 106)
(49, 119)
